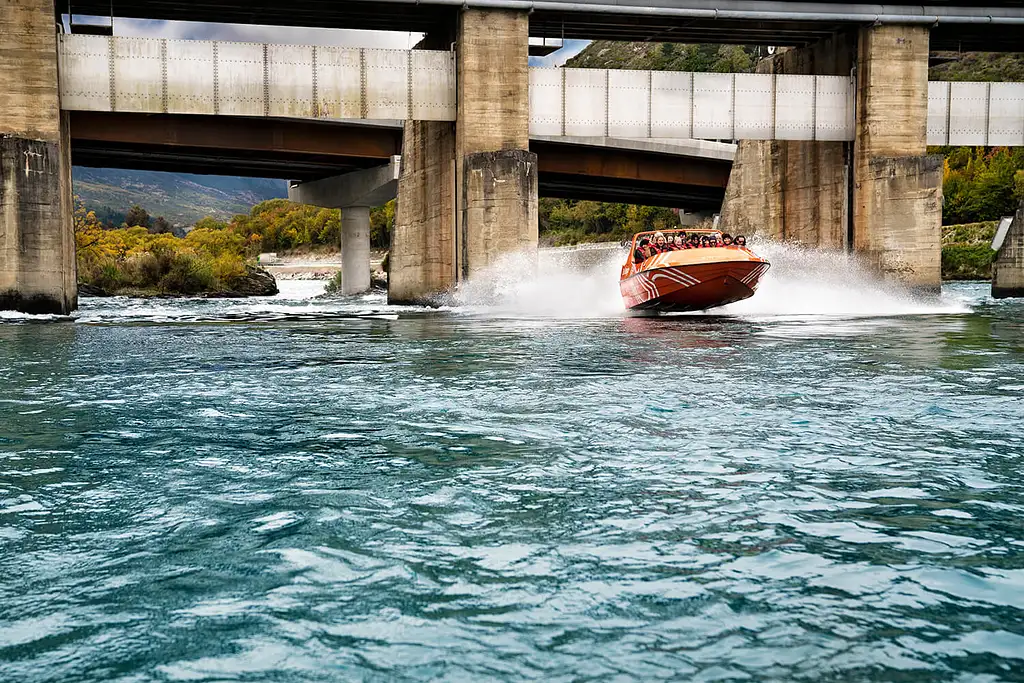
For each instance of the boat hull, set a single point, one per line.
(692, 287)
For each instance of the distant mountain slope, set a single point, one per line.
(181, 198)
(607, 54)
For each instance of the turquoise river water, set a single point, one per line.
(823, 483)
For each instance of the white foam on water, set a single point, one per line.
(816, 282)
(801, 282)
(554, 285)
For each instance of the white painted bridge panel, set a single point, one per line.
(971, 113)
(153, 75)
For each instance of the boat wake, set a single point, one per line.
(801, 282)
(815, 282)
(570, 284)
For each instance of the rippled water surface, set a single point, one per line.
(306, 490)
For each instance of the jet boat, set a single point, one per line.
(688, 279)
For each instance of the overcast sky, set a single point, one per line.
(192, 30)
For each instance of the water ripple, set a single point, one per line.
(316, 491)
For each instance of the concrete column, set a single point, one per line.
(495, 171)
(897, 188)
(37, 248)
(468, 193)
(794, 190)
(355, 249)
(1008, 268)
(422, 255)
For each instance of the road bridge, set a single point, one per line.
(690, 174)
(470, 171)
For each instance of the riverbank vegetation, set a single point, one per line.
(566, 221)
(967, 251)
(214, 256)
(136, 261)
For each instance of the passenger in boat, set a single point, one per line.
(695, 241)
(740, 241)
(641, 252)
(660, 246)
(726, 239)
(677, 241)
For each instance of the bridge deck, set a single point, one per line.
(152, 75)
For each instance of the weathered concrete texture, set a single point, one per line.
(37, 255)
(897, 191)
(1008, 268)
(468, 193)
(497, 195)
(37, 267)
(893, 228)
(355, 249)
(493, 81)
(794, 190)
(28, 70)
(499, 214)
(422, 256)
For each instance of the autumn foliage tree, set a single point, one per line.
(981, 184)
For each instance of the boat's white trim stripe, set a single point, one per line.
(754, 274)
(681, 278)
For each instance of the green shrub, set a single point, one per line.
(189, 274)
(333, 286)
(967, 261)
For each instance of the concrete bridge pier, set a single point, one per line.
(37, 247)
(897, 187)
(1008, 268)
(355, 249)
(468, 192)
(880, 196)
(355, 194)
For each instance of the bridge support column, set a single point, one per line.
(422, 255)
(897, 187)
(497, 174)
(468, 193)
(355, 249)
(37, 248)
(1008, 268)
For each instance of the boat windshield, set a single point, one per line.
(647, 244)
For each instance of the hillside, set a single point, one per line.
(181, 198)
(604, 54)
(979, 66)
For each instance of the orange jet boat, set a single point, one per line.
(691, 278)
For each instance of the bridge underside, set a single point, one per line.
(309, 150)
(544, 23)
